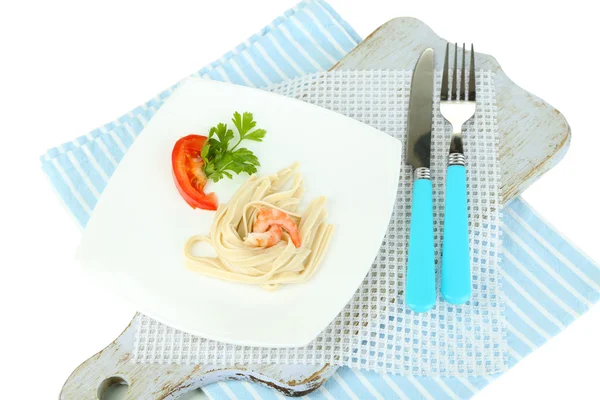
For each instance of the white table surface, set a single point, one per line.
(73, 66)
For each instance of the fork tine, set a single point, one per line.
(472, 76)
(454, 91)
(462, 76)
(444, 94)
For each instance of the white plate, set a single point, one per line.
(134, 241)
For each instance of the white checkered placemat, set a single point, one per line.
(376, 331)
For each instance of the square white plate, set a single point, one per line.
(134, 241)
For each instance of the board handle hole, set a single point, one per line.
(113, 388)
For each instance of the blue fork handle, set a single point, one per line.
(420, 275)
(456, 263)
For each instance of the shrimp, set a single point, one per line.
(267, 219)
(265, 239)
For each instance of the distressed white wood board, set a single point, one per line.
(533, 138)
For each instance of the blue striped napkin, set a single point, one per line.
(547, 281)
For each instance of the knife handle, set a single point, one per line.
(420, 275)
(456, 264)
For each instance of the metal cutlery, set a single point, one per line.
(457, 107)
(420, 275)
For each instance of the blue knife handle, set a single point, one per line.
(456, 264)
(420, 275)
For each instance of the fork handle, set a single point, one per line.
(420, 274)
(456, 265)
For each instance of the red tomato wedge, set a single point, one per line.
(188, 172)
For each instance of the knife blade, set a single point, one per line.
(420, 114)
(420, 275)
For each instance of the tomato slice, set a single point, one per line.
(188, 172)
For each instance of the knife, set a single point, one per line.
(420, 275)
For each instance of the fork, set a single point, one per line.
(457, 107)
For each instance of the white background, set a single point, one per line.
(68, 67)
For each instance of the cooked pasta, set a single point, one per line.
(260, 237)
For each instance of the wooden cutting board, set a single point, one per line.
(533, 138)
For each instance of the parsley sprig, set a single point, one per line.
(219, 159)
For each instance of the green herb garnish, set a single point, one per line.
(222, 160)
